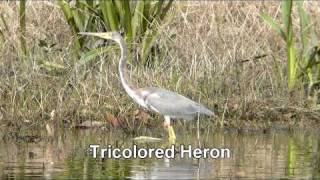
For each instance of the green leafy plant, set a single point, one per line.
(286, 33)
(310, 51)
(303, 62)
(139, 20)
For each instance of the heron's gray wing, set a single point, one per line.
(173, 104)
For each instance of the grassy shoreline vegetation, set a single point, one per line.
(223, 54)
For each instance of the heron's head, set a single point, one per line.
(105, 35)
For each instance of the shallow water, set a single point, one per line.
(254, 155)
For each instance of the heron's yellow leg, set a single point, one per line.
(172, 135)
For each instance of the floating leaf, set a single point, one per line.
(147, 139)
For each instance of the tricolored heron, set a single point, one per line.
(167, 103)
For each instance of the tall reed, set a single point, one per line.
(286, 33)
(22, 20)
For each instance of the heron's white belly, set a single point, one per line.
(154, 109)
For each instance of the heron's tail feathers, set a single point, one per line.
(206, 111)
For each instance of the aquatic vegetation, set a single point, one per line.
(303, 60)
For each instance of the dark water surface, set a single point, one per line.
(272, 155)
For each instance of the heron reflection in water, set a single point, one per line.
(167, 103)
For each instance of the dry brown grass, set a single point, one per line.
(208, 54)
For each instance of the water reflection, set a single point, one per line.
(253, 155)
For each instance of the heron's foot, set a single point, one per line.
(172, 141)
(172, 135)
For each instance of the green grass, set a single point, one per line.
(302, 59)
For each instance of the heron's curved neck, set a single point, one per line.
(122, 65)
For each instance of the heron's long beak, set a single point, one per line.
(103, 35)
